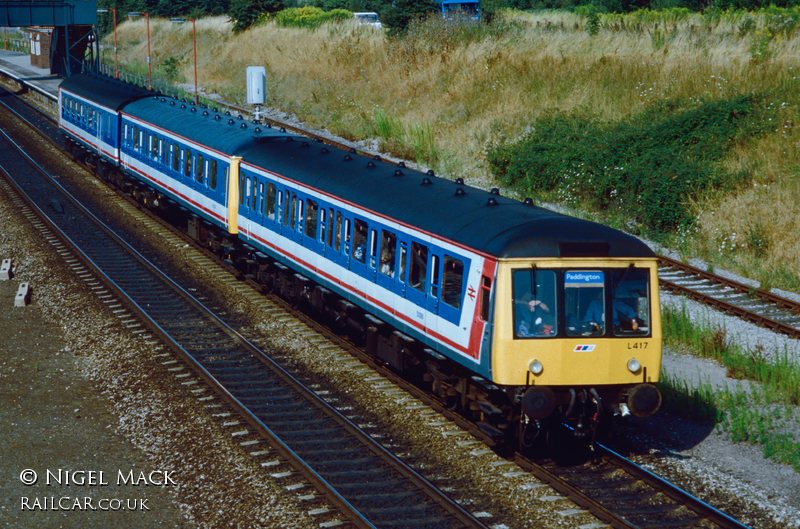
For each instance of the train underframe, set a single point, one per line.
(531, 418)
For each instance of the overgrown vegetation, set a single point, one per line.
(651, 167)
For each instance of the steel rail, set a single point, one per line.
(668, 489)
(331, 494)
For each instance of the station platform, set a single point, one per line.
(18, 65)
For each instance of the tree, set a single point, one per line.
(246, 12)
(401, 12)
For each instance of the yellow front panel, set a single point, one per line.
(572, 361)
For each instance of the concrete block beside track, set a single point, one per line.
(5, 270)
(23, 295)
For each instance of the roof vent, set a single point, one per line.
(317, 139)
(398, 172)
(183, 106)
(172, 102)
(305, 144)
(460, 181)
(430, 172)
(217, 117)
(352, 150)
(426, 181)
(240, 116)
(205, 112)
(163, 100)
(401, 165)
(227, 112)
(324, 151)
(289, 139)
(495, 191)
(347, 158)
(528, 201)
(371, 165)
(155, 98)
(491, 202)
(231, 122)
(283, 129)
(460, 192)
(376, 158)
(243, 126)
(194, 109)
(257, 129)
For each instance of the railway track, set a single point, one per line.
(363, 482)
(244, 375)
(756, 306)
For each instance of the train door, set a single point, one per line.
(289, 228)
(416, 291)
(314, 227)
(452, 286)
(387, 265)
(336, 238)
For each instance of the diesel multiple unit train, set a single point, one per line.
(523, 318)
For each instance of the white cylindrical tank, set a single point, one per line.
(256, 85)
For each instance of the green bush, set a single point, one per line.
(309, 17)
(649, 168)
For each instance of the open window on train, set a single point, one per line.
(312, 213)
(453, 280)
(360, 241)
(585, 302)
(534, 303)
(269, 209)
(388, 244)
(631, 301)
(419, 266)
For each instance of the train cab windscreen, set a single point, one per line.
(588, 307)
(535, 306)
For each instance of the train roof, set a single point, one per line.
(216, 130)
(111, 93)
(489, 223)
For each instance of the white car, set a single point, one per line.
(368, 19)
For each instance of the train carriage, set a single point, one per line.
(524, 317)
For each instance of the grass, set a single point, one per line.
(765, 415)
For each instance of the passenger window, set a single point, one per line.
(338, 246)
(242, 190)
(256, 197)
(332, 228)
(300, 215)
(286, 209)
(453, 280)
(346, 235)
(360, 241)
(312, 210)
(388, 243)
(136, 138)
(176, 158)
(486, 296)
(534, 303)
(269, 209)
(435, 276)
(322, 225)
(402, 263)
(293, 217)
(248, 192)
(187, 163)
(373, 247)
(200, 168)
(154, 146)
(212, 174)
(419, 266)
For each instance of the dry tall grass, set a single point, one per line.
(453, 98)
